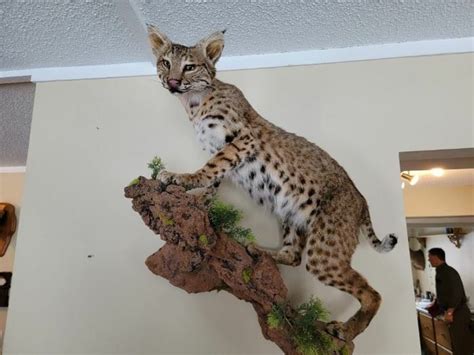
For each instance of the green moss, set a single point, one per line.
(203, 240)
(224, 217)
(345, 350)
(156, 165)
(134, 182)
(165, 220)
(247, 275)
(314, 343)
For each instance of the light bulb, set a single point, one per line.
(437, 172)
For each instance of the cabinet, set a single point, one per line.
(442, 334)
(443, 351)
(429, 346)
(434, 335)
(426, 326)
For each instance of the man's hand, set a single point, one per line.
(449, 315)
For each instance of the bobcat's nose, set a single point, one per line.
(174, 84)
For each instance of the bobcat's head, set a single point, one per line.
(183, 69)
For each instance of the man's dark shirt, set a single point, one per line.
(449, 288)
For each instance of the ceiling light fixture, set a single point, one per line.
(437, 172)
(411, 179)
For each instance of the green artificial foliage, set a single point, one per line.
(224, 217)
(301, 326)
(276, 317)
(203, 240)
(134, 182)
(309, 340)
(247, 275)
(156, 165)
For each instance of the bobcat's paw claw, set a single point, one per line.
(336, 329)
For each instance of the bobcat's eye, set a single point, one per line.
(165, 63)
(189, 67)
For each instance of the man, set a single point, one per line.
(451, 298)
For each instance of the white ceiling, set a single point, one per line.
(60, 33)
(67, 33)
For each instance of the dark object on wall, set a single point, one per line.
(5, 284)
(196, 258)
(7, 226)
(417, 259)
(455, 236)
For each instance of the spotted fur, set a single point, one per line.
(319, 207)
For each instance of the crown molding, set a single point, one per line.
(12, 169)
(270, 60)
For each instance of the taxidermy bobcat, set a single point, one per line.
(317, 203)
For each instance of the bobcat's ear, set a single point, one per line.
(213, 46)
(159, 42)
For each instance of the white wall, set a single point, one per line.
(11, 191)
(90, 138)
(459, 258)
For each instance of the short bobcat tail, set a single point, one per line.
(382, 246)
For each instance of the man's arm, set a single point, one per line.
(455, 294)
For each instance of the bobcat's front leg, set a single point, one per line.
(229, 157)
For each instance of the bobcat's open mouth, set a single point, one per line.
(175, 91)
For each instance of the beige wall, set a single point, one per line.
(11, 191)
(439, 201)
(90, 138)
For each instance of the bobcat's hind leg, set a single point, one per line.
(370, 301)
(331, 245)
(338, 273)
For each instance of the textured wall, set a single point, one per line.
(16, 106)
(256, 27)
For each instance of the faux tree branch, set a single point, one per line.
(196, 258)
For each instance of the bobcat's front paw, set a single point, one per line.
(184, 180)
(168, 178)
